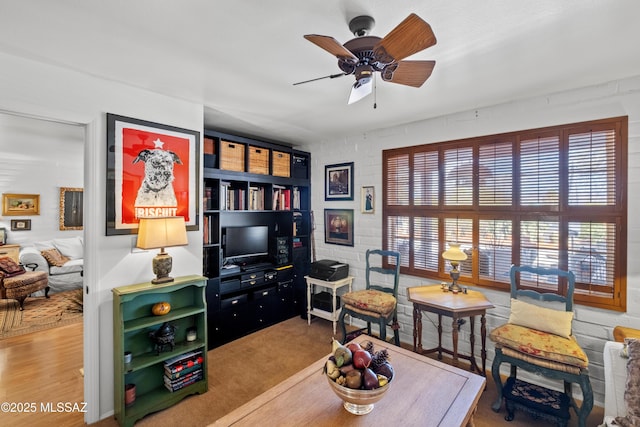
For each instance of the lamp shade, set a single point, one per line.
(161, 232)
(454, 253)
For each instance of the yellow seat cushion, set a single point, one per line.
(540, 345)
(370, 300)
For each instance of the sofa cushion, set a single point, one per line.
(54, 257)
(544, 319)
(71, 266)
(43, 245)
(632, 385)
(71, 247)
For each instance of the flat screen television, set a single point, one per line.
(242, 242)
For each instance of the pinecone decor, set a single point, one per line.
(379, 358)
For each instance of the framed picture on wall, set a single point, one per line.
(20, 224)
(338, 226)
(367, 200)
(338, 182)
(20, 204)
(3, 236)
(152, 171)
(71, 208)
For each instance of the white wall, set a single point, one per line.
(39, 157)
(37, 89)
(591, 326)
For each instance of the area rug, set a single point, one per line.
(40, 313)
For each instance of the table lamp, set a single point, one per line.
(454, 255)
(161, 232)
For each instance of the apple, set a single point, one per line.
(361, 359)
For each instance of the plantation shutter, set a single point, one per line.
(539, 171)
(458, 181)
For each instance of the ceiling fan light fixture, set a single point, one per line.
(360, 89)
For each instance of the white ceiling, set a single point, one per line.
(240, 58)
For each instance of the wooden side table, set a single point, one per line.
(333, 286)
(11, 251)
(457, 306)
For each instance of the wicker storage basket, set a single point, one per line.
(232, 156)
(281, 164)
(258, 160)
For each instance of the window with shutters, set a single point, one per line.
(551, 197)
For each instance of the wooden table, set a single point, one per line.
(456, 306)
(423, 392)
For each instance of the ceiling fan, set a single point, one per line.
(364, 55)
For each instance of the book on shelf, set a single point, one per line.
(183, 360)
(182, 366)
(224, 189)
(256, 198)
(296, 198)
(231, 199)
(281, 198)
(297, 223)
(182, 373)
(207, 199)
(205, 230)
(177, 384)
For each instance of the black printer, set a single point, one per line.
(329, 270)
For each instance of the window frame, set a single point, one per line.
(563, 213)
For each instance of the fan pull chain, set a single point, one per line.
(375, 92)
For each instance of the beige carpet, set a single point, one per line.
(40, 313)
(243, 369)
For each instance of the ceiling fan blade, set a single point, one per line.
(410, 73)
(360, 90)
(410, 36)
(332, 76)
(332, 46)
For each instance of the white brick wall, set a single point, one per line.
(591, 326)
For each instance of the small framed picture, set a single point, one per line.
(338, 181)
(368, 198)
(338, 226)
(3, 236)
(20, 224)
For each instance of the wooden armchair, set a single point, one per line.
(538, 339)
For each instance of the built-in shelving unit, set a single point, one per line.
(252, 183)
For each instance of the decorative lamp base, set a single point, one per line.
(455, 275)
(162, 265)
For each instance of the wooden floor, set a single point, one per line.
(34, 368)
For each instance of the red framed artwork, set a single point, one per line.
(152, 171)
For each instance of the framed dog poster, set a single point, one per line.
(152, 171)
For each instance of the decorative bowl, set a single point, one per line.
(356, 401)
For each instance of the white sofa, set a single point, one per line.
(66, 277)
(615, 378)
